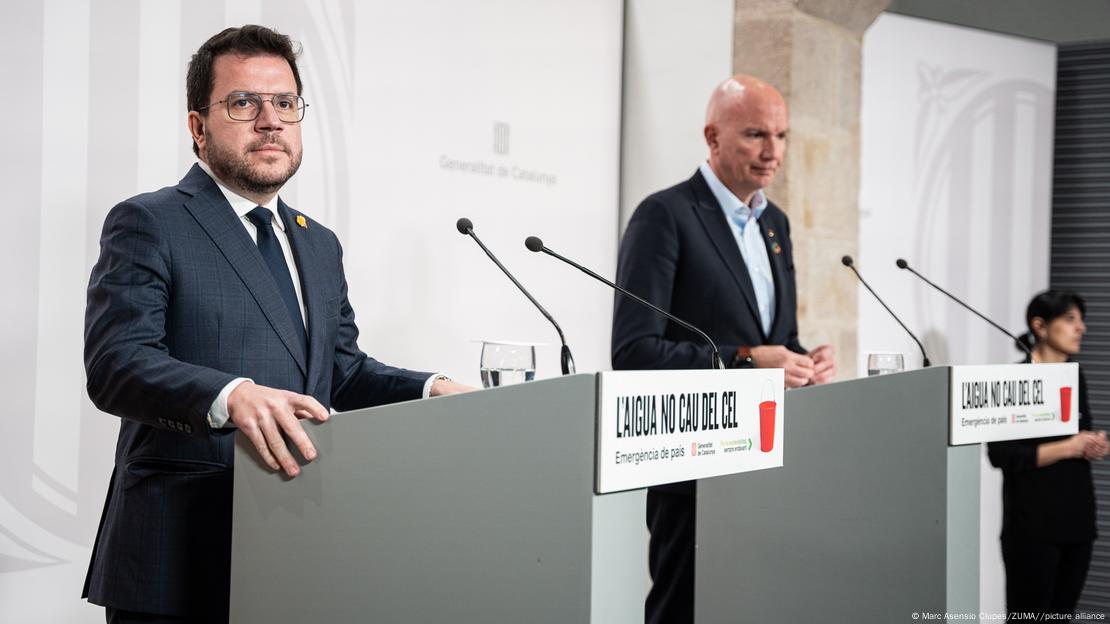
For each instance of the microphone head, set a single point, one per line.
(533, 243)
(464, 226)
(846, 261)
(902, 264)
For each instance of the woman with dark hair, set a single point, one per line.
(1048, 497)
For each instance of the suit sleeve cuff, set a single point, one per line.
(428, 385)
(217, 414)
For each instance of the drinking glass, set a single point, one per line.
(884, 363)
(505, 363)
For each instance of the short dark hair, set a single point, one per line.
(249, 40)
(1050, 305)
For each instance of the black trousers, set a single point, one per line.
(671, 519)
(1042, 577)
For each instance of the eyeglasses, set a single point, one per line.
(245, 106)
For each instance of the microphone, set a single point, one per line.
(902, 264)
(533, 243)
(566, 360)
(847, 261)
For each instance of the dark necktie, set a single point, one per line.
(275, 261)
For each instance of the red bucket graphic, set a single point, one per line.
(1065, 403)
(767, 410)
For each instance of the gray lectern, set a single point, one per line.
(872, 517)
(470, 508)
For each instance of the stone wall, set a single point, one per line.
(810, 50)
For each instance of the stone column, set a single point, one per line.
(810, 51)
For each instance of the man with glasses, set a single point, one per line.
(214, 306)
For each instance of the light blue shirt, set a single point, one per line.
(745, 229)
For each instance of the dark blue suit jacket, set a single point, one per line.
(180, 303)
(679, 253)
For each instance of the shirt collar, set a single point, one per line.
(241, 205)
(729, 202)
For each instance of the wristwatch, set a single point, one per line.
(743, 358)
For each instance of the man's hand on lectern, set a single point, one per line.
(444, 386)
(264, 413)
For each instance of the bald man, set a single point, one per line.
(715, 252)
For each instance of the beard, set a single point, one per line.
(234, 168)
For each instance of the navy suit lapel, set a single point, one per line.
(716, 226)
(211, 210)
(311, 289)
(773, 239)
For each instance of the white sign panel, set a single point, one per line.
(1013, 401)
(657, 427)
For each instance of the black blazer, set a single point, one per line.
(679, 253)
(1054, 504)
(180, 302)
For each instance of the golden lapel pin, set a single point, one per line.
(301, 221)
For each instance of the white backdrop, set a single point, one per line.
(403, 97)
(675, 54)
(956, 145)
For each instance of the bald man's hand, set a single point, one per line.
(824, 364)
(264, 413)
(798, 369)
